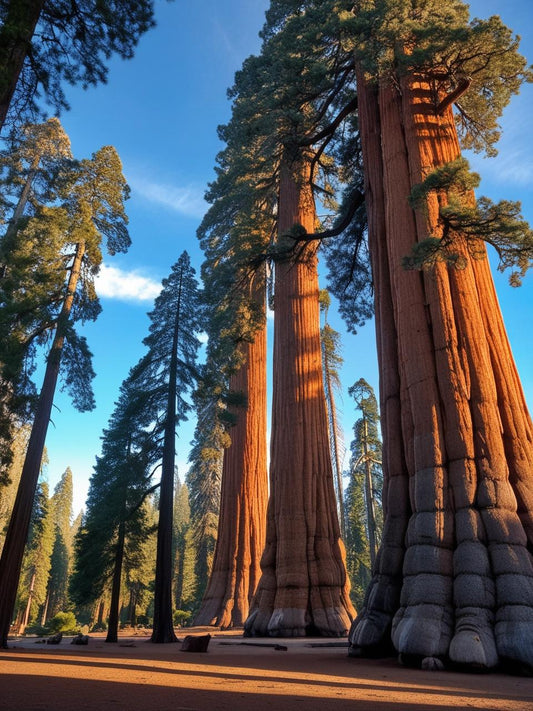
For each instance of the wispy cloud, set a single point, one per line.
(509, 168)
(187, 200)
(115, 283)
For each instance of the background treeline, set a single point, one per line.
(64, 586)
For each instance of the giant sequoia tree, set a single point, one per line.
(304, 586)
(243, 497)
(287, 104)
(454, 574)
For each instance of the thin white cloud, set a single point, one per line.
(115, 283)
(508, 168)
(187, 200)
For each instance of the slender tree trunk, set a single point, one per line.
(369, 498)
(21, 204)
(467, 583)
(112, 625)
(163, 630)
(304, 586)
(17, 532)
(26, 616)
(44, 613)
(15, 39)
(132, 608)
(334, 444)
(244, 493)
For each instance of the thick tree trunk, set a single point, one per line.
(304, 586)
(243, 501)
(17, 532)
(373, 622)
(467, 582)
(112, 627)
(15, 38)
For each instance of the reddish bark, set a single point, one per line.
(243, 499)
(304, 586)
(467, 584)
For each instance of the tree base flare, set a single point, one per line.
(295, 622)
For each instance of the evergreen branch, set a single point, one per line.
(350, 107)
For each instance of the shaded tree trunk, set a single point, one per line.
(112, 626)
(244, 493)
(163, 630)
(304, 586)
(17, 533)
(465, 591)
(16, 33)
(333, 429)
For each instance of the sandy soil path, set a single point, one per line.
(232, 676)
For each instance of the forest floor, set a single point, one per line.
(236, 674)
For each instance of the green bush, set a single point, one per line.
(63, 622)
(181, 618)
(38, 630)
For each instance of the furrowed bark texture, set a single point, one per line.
(466, 588)
(243, 499)
(304, 586)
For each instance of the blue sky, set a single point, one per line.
(160, 111)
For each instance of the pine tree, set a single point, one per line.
(185, 554)
(331, 362)
(37, 560)
(30, 266)
(166, 374)
(109, 540)
(92, 210)
(364, 491)
(44, 44)
(8, 491)
(203, 481)
(61, 560)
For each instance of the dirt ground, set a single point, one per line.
(236, 675)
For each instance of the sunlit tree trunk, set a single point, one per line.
(243, 500)
(304, 586)
(467, 578)
(17, 533)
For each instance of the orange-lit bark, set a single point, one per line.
(304, 586)
(467, 583)
(243, 499)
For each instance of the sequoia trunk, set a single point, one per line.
(467, 580)
(304, 586)
(243, 500)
